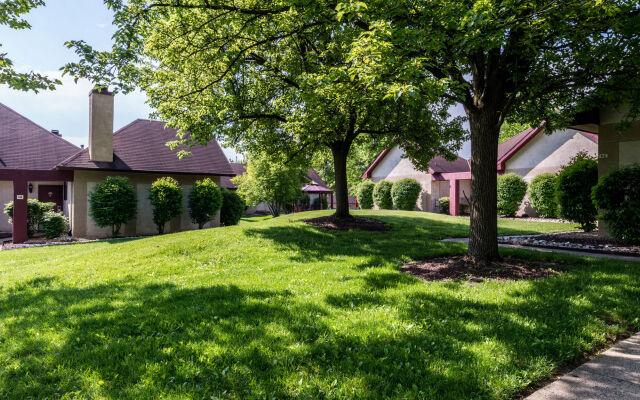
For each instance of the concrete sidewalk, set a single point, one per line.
(615, 374)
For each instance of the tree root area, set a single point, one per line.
(345, 224)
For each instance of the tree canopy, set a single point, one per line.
(526, 61)
(263, 75)
(12, 14)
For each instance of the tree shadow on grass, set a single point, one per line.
(119, 340)
(125, 340)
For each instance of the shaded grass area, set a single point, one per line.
(276, 308)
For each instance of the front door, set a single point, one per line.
(51, 194)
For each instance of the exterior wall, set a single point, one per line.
(6, 195)
(393, 168)
(547, 153)
(85, 181)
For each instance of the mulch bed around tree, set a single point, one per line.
(459, 268)
(339, 224)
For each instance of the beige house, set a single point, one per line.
(528, 154)
(138, 151)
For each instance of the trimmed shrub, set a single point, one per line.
(617, 194)
(112, 203)
(574, 192)
(444, 205)
(166, 198)
(365, 194)
(405, 193)
(232, 207)
(54, 224)
(319, 203)
(205, 200)
(511, 191)
(382, 195)
(542, 194)
(35, 213)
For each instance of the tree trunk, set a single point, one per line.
(340, 151)
(483, 235)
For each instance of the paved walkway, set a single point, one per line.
(564, 251)
(615, 374)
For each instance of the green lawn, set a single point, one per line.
(274, 309)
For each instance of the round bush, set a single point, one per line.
(618, 195)
(405, 193)
(54, 224)
(574, 192)
(382, 195)
(365, 194)
(542, 194)
(112, 203)
(35, 213)
(444, 205)
(232, 207)
(166, 198)
(511, 191)
(205, 200)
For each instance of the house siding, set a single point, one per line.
(393, 168)
(547, 153)
(85, 181)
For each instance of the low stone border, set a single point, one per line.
(536, 241)
(58, 242)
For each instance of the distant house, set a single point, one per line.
(35, 163)
(391, 165)
(314, 189)
(527, 154)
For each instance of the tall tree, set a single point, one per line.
(11, 15)
(263, 75)
(539, 59)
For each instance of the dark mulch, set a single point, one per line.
(586, 238)
(339, 224)
(458, 268)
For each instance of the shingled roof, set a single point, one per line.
(141, 147)
(26, 145)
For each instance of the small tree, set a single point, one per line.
(269, 181)
(112, 203)
(365, 194)
(35, 213)
(511, 191)
(232, 207)
(542, 193)
(382, 195)
(574, 192)
(166, 198)
(205, 200)
(405, 193)
(617, 194)
(444, 205)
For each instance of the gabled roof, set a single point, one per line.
(317, 184)
(438, 165)
(141, 147)
(511, 146)
(26, 145)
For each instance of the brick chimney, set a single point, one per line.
(101, 125)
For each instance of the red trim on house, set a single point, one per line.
(592, 136)
(518, 146)
(367, 173)
(20, 179)
(447, 176)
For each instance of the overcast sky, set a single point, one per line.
(42, 49)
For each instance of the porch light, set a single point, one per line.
(30, 187)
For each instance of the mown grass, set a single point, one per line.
(277, 309)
